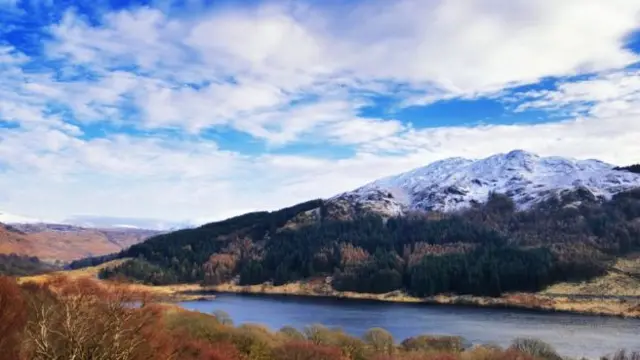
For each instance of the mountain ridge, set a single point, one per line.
(457, 183)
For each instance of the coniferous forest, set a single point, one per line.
(485, 250)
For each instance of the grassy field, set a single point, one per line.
(172, 293)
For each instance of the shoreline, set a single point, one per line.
(623, 308)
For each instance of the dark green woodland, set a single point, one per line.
(485, 250)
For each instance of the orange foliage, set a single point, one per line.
(418, 356)
(13, 317)
(203, 350)
(303, 350)
(219, 268)
(413, 253)
(83, 318)
(352, 255)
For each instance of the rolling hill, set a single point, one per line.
(51, 242)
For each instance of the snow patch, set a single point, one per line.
(456, 183)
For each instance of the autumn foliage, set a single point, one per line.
(81, 318)
(13, 317)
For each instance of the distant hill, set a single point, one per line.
(23, 265)
(51, 242)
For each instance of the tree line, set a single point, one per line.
(486, 250)
(23, 265)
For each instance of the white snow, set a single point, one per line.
(456, 183)
(6, 218)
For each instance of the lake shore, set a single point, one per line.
(578, 303)
(622, 307)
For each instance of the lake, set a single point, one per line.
(572, 335)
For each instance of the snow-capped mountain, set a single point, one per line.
(456, 183)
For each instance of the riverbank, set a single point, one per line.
(629, 308)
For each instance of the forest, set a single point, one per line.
(486, 250)
(631, 168)
(81, 318)
(22, 265)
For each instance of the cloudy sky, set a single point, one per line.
(194, 110)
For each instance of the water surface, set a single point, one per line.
(572, 335)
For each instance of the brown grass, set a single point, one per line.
(595, 306)
(181, 292)
(622, 280)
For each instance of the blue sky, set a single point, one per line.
(193, 110)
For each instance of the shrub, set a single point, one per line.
(202, 350)
(255, 341)
(380, 340)
(433, 343)
(351, 347)
(198, 326)
(536, 348)
(223, 317)
(291, 333)
(303, 350)
(81, 319)
(13, 317)
(318, 334)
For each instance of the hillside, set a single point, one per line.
(51, 242)
(511, 222)
(14, 241)
(486, 250)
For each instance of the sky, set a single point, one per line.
(187, 111)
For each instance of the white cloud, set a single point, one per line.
(264, 57)
(607, 95)
(287, 74)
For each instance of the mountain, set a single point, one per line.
(458, 183)
(51, 242)
(510, 222)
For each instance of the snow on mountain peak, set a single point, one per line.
(456, 183)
